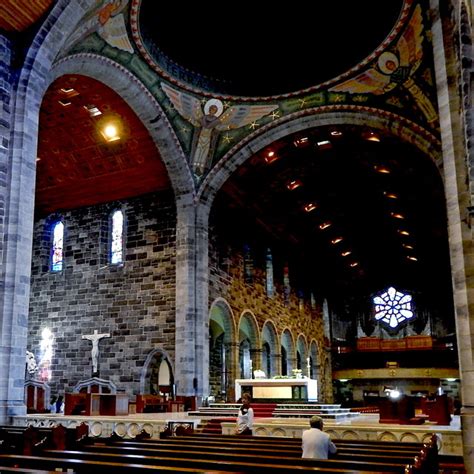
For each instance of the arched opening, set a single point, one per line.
(287, 353)
(270, 350)
(221, 374)
(157, 375)
(248, 337)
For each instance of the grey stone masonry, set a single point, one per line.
(134, 302)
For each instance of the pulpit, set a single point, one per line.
(438, 409)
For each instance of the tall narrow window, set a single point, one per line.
(269, 272)
(57, 247)
(116, 244)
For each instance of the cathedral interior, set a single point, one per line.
(187, 198)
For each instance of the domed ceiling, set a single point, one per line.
(241, 50)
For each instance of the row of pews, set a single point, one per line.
(56, 448)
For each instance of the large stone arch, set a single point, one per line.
(222, 353)
(270, 350)
(19, 208)
(142, 102)
(378, 119)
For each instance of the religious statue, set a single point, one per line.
(95, 338)
(211, 120)
(31, 365)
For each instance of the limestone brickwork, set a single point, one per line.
(134, 302)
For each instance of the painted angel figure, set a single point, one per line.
(395, 68)
(108, 21)
(211, 120)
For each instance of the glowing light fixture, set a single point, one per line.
(336, 133)
(414, 259)
(407, 246)
(93, 110)
(302, 141)
(310, 207)
(325, 225)
(270, 157)
(336, 240)
(64, 103)
(403, 232)
(390, 195)
(293, 184)
(382, 169)
(111, 133)
(324, 144)
(354, 264)
(397, 215)
(371, 137)
(346, 253)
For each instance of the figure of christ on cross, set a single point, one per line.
(95, 338)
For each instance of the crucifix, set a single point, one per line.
(95, 338)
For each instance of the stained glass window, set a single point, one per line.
(57, 249)
(393, 307)
(116, 245)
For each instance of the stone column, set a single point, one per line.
(275, 364)
(454, 112)
(256, 356)
(232, 350)
(17, 184)
(192, 282)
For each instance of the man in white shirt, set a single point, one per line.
(315, 443)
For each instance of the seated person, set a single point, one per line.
(315, 443)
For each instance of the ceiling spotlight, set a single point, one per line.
(93, 110)
(390, 195)
(397, 215)
(371, 137)
(64, 103)
(403, 232)
(414, 259)
(325, 225)
(68, 92)
(324, 144)
(407, 246)
(293, 184)
(336, 133)
(354, 264)
(346, 253)
(110, 133)
(302, 141)
(270, 157)
(382, 169)
(310, 207)
(336, 240)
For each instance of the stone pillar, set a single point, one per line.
(256, 356)
(275, 364)
(232, 350)
(454, 110)
(17, 184)
(192, 282)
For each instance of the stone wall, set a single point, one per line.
(134, 302)
(227, 280)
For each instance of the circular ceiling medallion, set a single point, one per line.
(249, 52)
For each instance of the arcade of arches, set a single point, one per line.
(200, 216)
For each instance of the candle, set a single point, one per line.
(307, 362)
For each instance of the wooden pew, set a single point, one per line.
(26, 463)
(244, 463)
